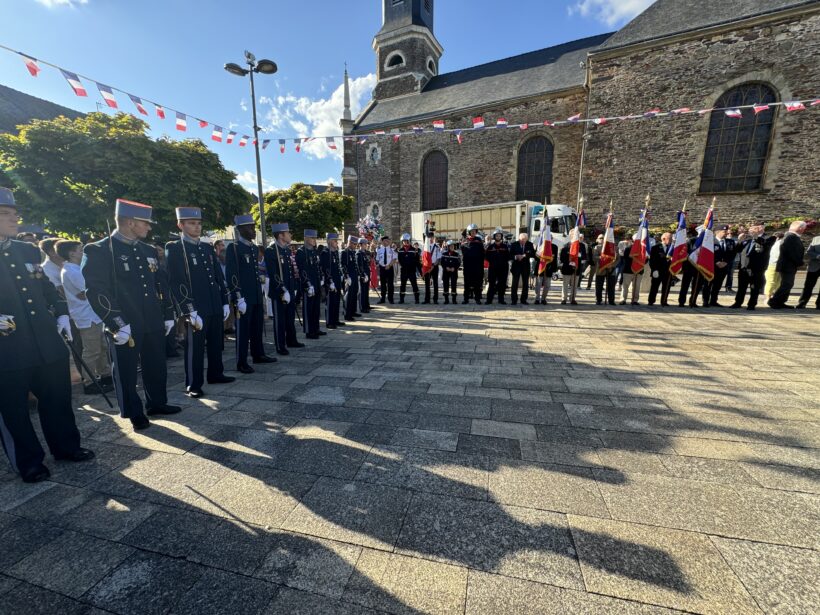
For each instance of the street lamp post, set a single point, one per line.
(266, 67)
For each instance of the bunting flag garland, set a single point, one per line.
(74, 81)
(202, 123)
(108, 95)
(458, 136)
(160, 112)
(138, 104)
(243, 141)
(760, 108)
(599, 121)
(231, 136)
(281, 146)
(680, 111)
(418, 130)
(182, 122)
(679, 249)
(734, 112)
(523, 126)
(216, 135)
(438, 125)
(501, 123)
(573, 120)
(331, 142)
(265, 144)
(795, 105)
(652, 113)
(606, 260)
(396, 137)
(543, 247)
(548, 124)
(478, 123)
(814, 103)
(703, 254)
(297, 145)
(31, 65)
(640, 246)
(363, 140)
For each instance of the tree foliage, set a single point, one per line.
(302, 207)
(68, 174)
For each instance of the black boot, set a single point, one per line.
(454, 299)
(401, 298)
(417, 297)
(446, 299)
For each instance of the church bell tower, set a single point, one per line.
(407, 52)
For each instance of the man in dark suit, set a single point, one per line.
(659, 265)
(522, 251)
(334, 280)
(790, 260)
(129, 292)
(497, 253)
(754, 251)
(724, 256)
(33, 358)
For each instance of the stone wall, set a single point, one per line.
(625, 161)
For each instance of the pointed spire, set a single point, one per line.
(347, 115)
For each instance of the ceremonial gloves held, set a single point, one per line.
(64, 327)
(348, 281)
(226, 312)
(242, 305)
(332, 287)
(366, 279)
(122, 335)
(311, 291)
(195, 320)
(7, 322)
(169, 324)
(285, 297)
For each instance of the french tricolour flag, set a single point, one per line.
(438, 125)
(703, 256)
(523, 126)
(138, 104)
(501, 123)
(182, 123)
(760, 108)
(734, 113)
(108, 95)
(297, 144)
(74, 82)
(543, 248)
(478, 123)
(231, 136)
(243, 141)
(608, 249)
(281, 146)
(216, 134)
(202, 123)
(160, 112)
(458, 136)
(640, 247)
(679, 250)
(574, 119)
(331, 142)
(31, 65)
(794, 105)
(418, 130)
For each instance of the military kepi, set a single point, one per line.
(311, 234)
(352, 239)
(189, 213)
(243, 220)
(132, 209)
(281, 227)
(332, 236)
(7, 198)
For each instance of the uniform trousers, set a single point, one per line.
(310, 313)
(249, 329)
(542, 286)
(331, 307)
(522, 277)
(750, 280)
(808, 288)
(473, 284)
(408, 274)
(51, 384)
(149, 352)
(608, 278)
(631, 282)
(450, 281)
(661, 282)
(498, 283)
(386, 282)
(351, 299)
(431, 277)
(196, 342)
(364, 296)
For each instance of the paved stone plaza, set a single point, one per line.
(452, 459)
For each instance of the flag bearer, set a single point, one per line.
(307, 260)
(351, 270)
(282, 289)
(432, 274)
(450, 263)
(332, 274)
(363, 263)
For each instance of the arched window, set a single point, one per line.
(431, 66)
(395, 60)
(434, 181)
(737, 148)
(535, 170)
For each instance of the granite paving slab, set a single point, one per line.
(218, 592)
(33, 600)
(423, 438)
(489, 445)
(295, 602)
(22, 537)
(500, 429)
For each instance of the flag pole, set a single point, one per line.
(669, 270)
(578, 235)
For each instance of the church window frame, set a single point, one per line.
(391, 64)
(431, 66)
(737, 151)
(434, 180)
(535, 169)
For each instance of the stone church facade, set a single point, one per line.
(699, 54)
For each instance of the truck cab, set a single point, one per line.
(562, 219)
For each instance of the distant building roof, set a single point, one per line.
(530, 74)
(669, 17)
(325, 188)
(18, 108)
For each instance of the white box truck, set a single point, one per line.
(514, 217)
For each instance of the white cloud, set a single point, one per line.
(248, 181)
(611, 12)
(330, 181)
(302, 116)
(55, 3)
(243, 105)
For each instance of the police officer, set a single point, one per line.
(282, 289)
(245, 289)
(472, 251)
(32, 356)
(363, 263)
(307, 260)
(351, 278)
(432, 275)
(199, 289)
(386, 260)
(498, 255)
(450, 262)
(334, 280)
(129, 292)
(409, 262)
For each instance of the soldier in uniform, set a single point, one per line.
(409, 263)
(32, 356)
(199, 289)
(432, 275)
(129, 292)
(307, 260)
(386, 259)
(245, 288)
(363, 263)
(498, 255)
(351, 271)
(472, 251)
(450, 262)
(282, 289)
(332, 275)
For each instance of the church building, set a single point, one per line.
(698, 54)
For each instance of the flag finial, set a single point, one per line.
(685, 201)
(714, 202)
(610, 205)
(647, 200)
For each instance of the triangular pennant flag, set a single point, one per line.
(363, 140)
(523, 126)
(216, 135)
(574, 119)
(31, 65)
(331, 142)
(298, 145)
(458, 136)
(74, 82)
(231, 136)
(396, 137)
(160, 112)
(182, 122)
(108, 95)
(138, 104)
(265, 143)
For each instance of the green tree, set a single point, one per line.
(302, 207)
(68, 174)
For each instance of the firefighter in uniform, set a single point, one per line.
(245, 288)
(129, 292)
(450, 263)
(472, 251)
(351, 271)
(199, 289)
(409, 263)
(363, 263)
(432, 275)
(307, 260)
(498, 255)
(32, 356)
(282, 289)
(332, 274)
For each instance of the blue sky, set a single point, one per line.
(172, 51)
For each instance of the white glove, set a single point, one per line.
(656, 274)
(311, 291)
(242, 305)
(333, 287)
(366, 279)
(122, 335)
(169, 325)
(286, 297)
(348, 281)
(64, 327)
(321, 282)
(195, 320)
(6, 322)
(226, 312)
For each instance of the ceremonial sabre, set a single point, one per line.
(82, 364)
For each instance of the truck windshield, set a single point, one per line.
(563, 224)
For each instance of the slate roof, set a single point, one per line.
(538, 72)
(19, 108)
(668, 17)
(321, 188)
